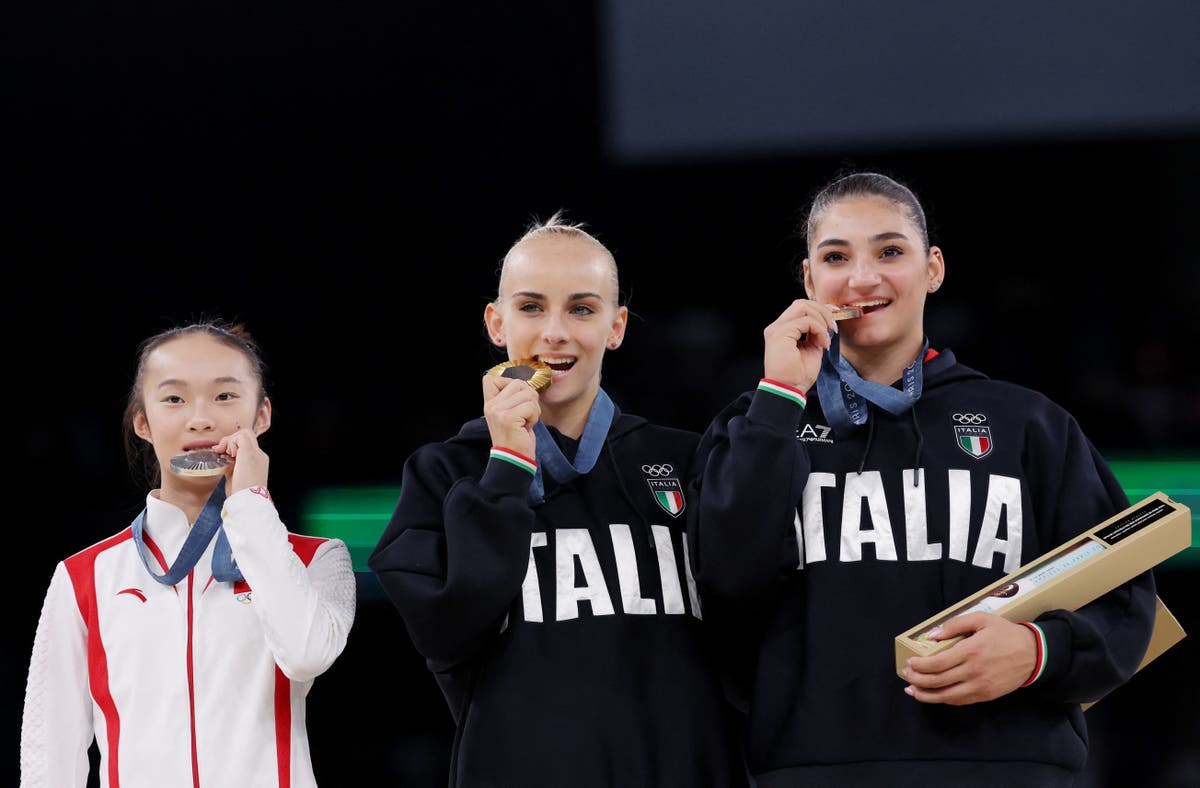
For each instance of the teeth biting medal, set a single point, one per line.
(534, 372)
(200, 462)
(847, 312)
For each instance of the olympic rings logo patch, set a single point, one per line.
(665, 469)
(969, 418)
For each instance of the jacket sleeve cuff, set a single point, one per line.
(508, 472)
(256, 500)
(1054, 649)
(1039, 665)
(776, 405)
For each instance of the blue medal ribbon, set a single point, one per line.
(224, 568)
(844, 394)
(550, 458)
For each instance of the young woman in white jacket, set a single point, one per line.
(185, 644)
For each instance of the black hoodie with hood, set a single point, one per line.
(566, 635)
(830, 546)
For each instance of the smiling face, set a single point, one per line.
(195, 390)
(557, 302)
(867, 251)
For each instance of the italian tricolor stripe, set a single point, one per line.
(976, 444)
(670, 500)
(782, 390)
(518, 460)
(1040, 666)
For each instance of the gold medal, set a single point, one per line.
(535, 373)
(201, 462)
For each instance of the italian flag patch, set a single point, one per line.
(975, 441)
(668, 494)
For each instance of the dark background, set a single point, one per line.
(346, 177)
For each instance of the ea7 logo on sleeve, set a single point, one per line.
(667, 491)
(814, 433)
(972, 434)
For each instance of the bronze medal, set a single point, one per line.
(839, 314)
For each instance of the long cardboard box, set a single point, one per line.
(1073, 574)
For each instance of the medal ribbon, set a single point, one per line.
(224, 568)
(844, 395)
(551, 459)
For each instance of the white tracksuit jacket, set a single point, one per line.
(197, 685)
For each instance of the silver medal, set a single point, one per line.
(201, 462)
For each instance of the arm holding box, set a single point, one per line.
(1072, 654)
(1096, 648)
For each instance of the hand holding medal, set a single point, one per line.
(794, 343)
(237, 456)
(512, 410)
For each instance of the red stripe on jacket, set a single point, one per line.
(305, 547)
(81, 568)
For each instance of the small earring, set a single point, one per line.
(612, 344)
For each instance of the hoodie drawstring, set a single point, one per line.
(920, 445)
(612, 460)
(862, 463)
(870, 437)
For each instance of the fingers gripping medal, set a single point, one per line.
(536, 373)
(839, 314)
(201, 462)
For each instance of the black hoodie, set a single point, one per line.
(566, 636)
(831, 546)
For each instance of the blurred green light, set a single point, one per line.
(356, 515)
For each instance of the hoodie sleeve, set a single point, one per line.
(753, 472)
(1095, 649)
(454, 555)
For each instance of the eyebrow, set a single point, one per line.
(542, 297)
(889, 236)
(177, 382)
